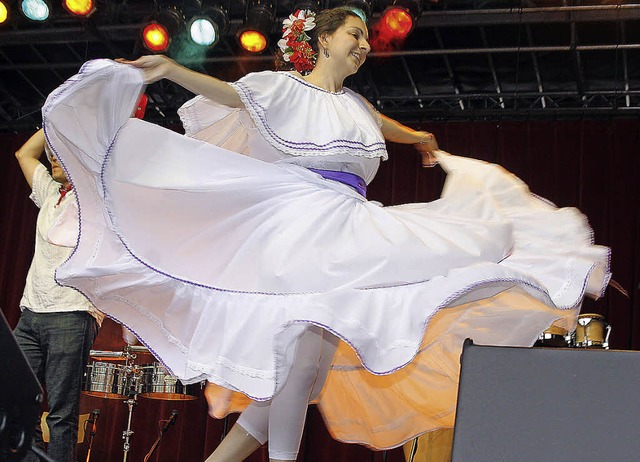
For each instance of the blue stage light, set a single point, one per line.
(360, 7)
(36, 10)
(206, 27)
(203, 31)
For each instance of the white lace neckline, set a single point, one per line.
(315, 87)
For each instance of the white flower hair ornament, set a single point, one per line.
(295, 41)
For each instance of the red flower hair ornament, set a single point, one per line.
(295, 41)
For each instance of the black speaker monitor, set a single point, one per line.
(544, 404)
(20, 397)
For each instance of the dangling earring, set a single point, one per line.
(326, 53)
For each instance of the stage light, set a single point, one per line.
(397, 22)
(4, 12)
(202, 31)
(155, 37)
(157, 34)
(360, 7)
(35, 10)
(79, 7)
(253, 41)
(254, 35)
(206, 29)
(309, 5)
(141, 107)
(399, 18)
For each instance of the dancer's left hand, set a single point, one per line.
(153, 67)
(426, 149)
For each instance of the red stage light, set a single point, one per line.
(79, 7)
(141, 107)
(155, 37)
(396, 22)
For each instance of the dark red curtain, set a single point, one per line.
(590, 164)
(17, 228)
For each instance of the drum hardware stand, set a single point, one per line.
(130, 357)
(93, 421)
(605, 344)
(131, 402)
(168, 423)
(131, 370)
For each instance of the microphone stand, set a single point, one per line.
(225, 427)
(93, 421)
(171, 421)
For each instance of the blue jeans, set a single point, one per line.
(57, 347)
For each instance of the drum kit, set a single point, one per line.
(115, 375)
(592, 331)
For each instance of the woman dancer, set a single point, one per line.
(270, 275)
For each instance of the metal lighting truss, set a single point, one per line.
(464, 58)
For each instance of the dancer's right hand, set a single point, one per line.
(154, 67)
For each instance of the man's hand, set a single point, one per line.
(29, 154)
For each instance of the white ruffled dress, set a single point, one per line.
(220, 261)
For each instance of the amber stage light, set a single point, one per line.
(4, 12)
(253, 41)
(254, 35)
(79, 7)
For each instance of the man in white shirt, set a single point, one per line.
(58, 324)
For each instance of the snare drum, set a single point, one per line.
(592, 331)
(158, 383)
(105, 380)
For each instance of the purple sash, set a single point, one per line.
(350, 179)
